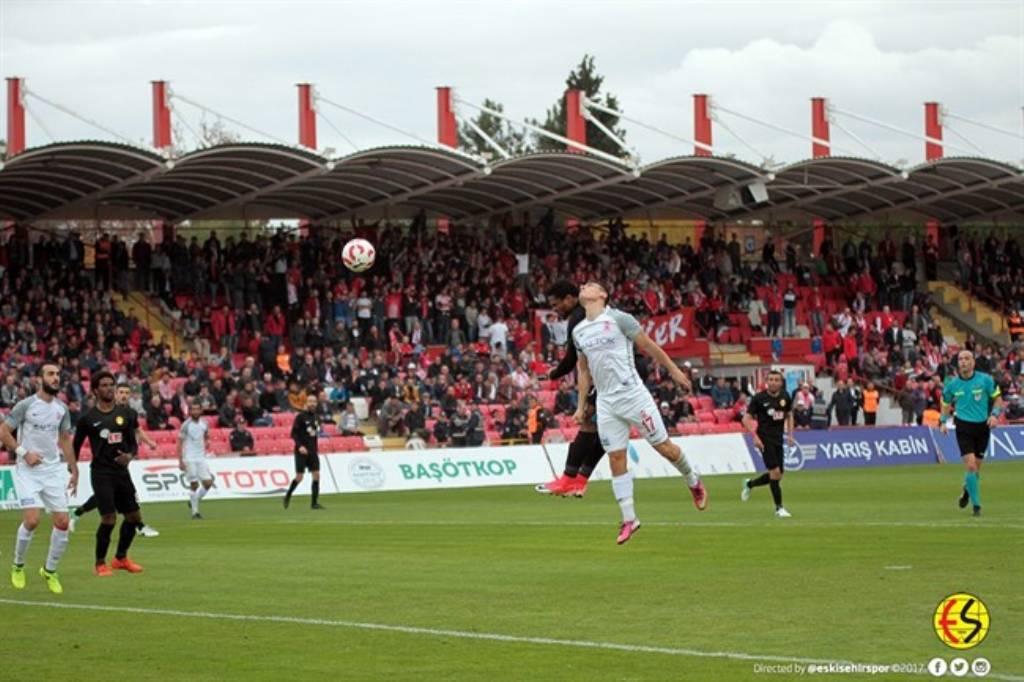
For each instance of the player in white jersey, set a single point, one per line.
(605, 341)
(192, 439)
(42, 478)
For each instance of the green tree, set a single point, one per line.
(510, 137)
(585, 78)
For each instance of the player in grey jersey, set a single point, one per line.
(45, 471)
(605, 342)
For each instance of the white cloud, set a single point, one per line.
(774, 81)
(881, 59)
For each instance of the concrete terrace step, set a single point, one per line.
(148, 311)
(732, 354)
(968, 311)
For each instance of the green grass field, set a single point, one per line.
(854, 576)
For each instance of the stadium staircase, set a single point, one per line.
(732, 354)
(969, 312)
(949, 328)
(153, 316)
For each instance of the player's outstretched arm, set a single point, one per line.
(181, 450)
(644, 343)
(944, 417)
(14, 419)
(144, 437)
(997, 410)
(80, 435)
(566, 364)
(750, 424)
(71, 459)
(583, 382)
(6, 437)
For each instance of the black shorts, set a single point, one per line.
(306, 463)
(774, 455)
(972, 438)
(114, 493)
(586, 443)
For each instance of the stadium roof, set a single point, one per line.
(102, 180)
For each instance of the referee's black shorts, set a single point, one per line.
(114, 493)
(972, 438)
(773, 454)
(304, 463)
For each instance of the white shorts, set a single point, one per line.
(197, 470)
(43, 490)
(615, 416)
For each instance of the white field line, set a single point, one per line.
(670, 524)
(436, 632)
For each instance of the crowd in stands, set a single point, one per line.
(439, 335)
(991, 268)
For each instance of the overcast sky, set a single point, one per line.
(765, 59)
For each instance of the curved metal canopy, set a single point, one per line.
(94, 179)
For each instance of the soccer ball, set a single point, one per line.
(358, 255)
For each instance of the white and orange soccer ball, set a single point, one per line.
(358, 255)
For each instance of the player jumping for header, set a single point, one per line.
(604, 341)
(585, 451)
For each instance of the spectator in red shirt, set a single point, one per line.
(274, 325)
(831, 344)
(222, 324)
(850, 351)
(393, 305)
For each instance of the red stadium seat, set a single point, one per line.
(355, 444)
(688, 428)
(724, 416)
(220, 447)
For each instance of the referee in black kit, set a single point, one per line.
(305, 429)
(773, 411)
